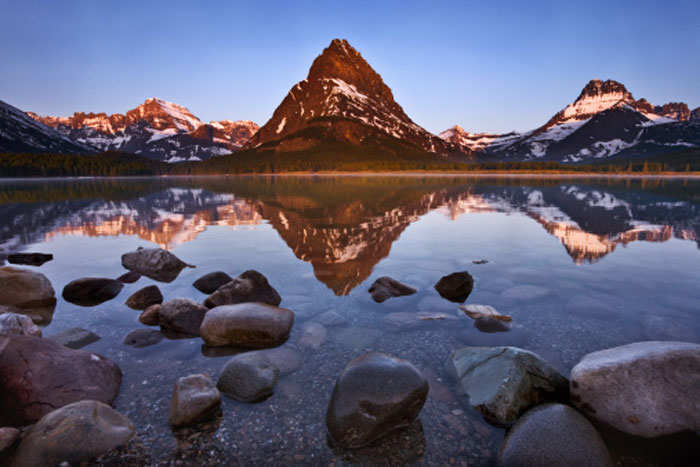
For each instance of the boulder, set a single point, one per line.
(74, 433)
(553, 435)
(145, 297)
(156, 263)
(645, 389)
(31, 259)
(91, 291)
(181, 315)
(74, 338)
(247, 325)
(129, 277)
(29, 291)
(14, 323)
(208, 283)
(38, 376)
(195, 399)
(374, 395)
(251, 286)
(8, 436)
(143, 338)
(150, 316)
(455, 287)
(504, 382)
(385, 287)
(248, 377)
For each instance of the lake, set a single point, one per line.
(580, 264)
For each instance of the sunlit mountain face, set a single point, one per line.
(344, 226)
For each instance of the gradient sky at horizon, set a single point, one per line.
(487, 66)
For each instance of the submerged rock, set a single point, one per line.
(156, 263)
(247, 325)
(195, 399)
(29, 292)
(553, 435)
(455, 287)
(143, 338)
(38, 375)
(374, 395)
(645, 389)
(31, 259)
(129, 277)
(385, 287)
(313, 335)
(251, 286)
(486, 318)
(74, 338)
(286, 358)
(331, 318)
(248, 377)
(181, 315)
(208, 283)
(74, 433)
(150, 316)
(504, 382)
(145, 297)
(14, 323)
(91, 291)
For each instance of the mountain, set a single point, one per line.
(156, 129)
(342, 100)
(605, 120)
(19, 134)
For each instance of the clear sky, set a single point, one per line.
(487, 66)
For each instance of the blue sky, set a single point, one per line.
(487, 66)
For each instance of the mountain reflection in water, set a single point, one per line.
(344, 226)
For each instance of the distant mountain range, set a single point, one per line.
(344, 101)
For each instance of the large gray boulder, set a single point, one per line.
(553, 435)
(645, 389)
(181, 315)
(251, 286)
(195, 399)
(27, 292)
(247, 325)
(91, 291)
(374, 395)
(38, 376)
(156, 263)
(74, 433)
(248, 377)
(385, 287)
(504, 382)
(14, 323)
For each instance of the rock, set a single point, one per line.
(480, 261)
(38, 375)
(504, 382)
(129, 277)
(156, 263)
(251, 286)
(143, 338)
(150, 316)
(247, 325)
(331, 318)
(374, 395)
(385, 287)
(313, 335)
(553, 435)
(29, 291)
(455, 287)
(208, 283)
(74, 433)
(525, 292)
(14, 323)
(248, 377)
(645, 389)
(74, 338)
(195, 399)
(91, 291)
(484, 311)
(181, 315)
(142, 299)
(8, 436)
(286, 358)
(491, 325)
(31, 259)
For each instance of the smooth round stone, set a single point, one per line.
(31, 293)
(373, 396)
(140, 338)
(250, 286)
(455, 287)
(181, 315)
(195, 399)
(150, 316)
(145, 297)
(248, 377)
(14, 323)
(91, 291)
(156, 263)
(247, 325)
(208, 283)
(74, 338)
(553, 435)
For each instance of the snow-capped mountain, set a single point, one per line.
(345, 100)
(605, 120)
(19, 133)
(157, 129)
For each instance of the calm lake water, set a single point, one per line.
(580, 265)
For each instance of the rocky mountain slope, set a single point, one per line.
(156, 129)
